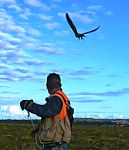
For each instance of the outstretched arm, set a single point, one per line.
(51, 108)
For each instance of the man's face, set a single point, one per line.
(49, 90)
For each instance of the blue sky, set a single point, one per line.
(35, 40)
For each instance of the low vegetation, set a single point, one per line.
(15, 136)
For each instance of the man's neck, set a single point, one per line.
(53, 91)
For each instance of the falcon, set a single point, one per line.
(78, 35)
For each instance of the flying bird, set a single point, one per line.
(78, 35)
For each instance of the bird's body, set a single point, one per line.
(78, 35)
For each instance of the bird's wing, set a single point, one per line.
(91, 30)
(71, 24)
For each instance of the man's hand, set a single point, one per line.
(25, 103)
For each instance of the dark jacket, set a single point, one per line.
(52, 107)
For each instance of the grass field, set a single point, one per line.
(17, 137)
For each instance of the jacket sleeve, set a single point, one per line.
(51, 108)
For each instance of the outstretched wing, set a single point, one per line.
(71, 24)
(92, 30)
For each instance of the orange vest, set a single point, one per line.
(65, 102)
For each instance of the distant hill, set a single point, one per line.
(99, 122)
(84, 121)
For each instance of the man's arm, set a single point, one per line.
(51, 108)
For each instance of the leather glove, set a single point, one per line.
(25, 103)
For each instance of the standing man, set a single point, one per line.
(54, 129)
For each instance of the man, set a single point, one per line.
(54, 129)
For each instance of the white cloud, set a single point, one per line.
(95, 7)
(94, 115)
(25, 13)
(16, 7)
(52, 25)
(12, 110)
(79, 16)
(6, 45)
(117, 116)
(62, 33)
(49, 50)
(7, 1)
(4, 108)
(9, 37)
(99, 115)
(36, 3)
(4, 66)
(34, 32)
(15, 110)
(7, 23)
(12, 56)
(45, 17)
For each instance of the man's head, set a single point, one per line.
(53, 81)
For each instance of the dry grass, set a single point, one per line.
(17, 137)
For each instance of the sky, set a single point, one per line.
(35, 40)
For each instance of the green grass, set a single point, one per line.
(17, 137)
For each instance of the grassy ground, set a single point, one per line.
(17, 137)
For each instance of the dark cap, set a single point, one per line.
(53, 81)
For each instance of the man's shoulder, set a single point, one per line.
(55, 98)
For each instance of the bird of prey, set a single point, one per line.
(78, 35)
